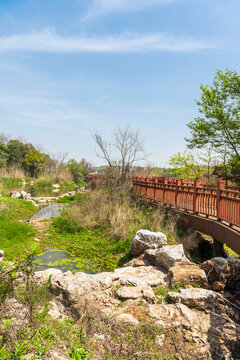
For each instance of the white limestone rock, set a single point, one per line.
(145, 239)
(170, 255)
(15, 195)
(127, 292)
(220, 264)
(142, 275)
(195, 297)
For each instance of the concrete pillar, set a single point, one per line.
(218, 249)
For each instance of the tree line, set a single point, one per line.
(18, 154)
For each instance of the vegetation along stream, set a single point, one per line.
(56, 258)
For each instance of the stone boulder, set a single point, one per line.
(15, 195)
(150, 256)
(195, 298)
(25, 195)
(136, 282)
(126, 293)
(145, 239)
(142, 275)
(135, 262)
(188, 273)
(217, 271)
(128, 319)
(170, 255)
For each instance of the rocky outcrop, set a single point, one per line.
(170, 255)
(133, 283)
(43, 200)
(136, 292)
(188, 273)
(145, 239)
(200, 316)
(195, 298)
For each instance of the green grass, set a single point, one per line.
(16, 237)
(71, 198)
(105, 251)
(16, 209)
(230, 252)
(43, 184)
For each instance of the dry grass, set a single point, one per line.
(121, 216)
(58, 175)
(13, 172)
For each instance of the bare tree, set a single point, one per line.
(4, 138)
(86, 167)
(59, 161)
(127, 146)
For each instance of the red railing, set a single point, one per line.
(218, 203)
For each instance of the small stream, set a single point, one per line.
(49, 211)
(56, 258)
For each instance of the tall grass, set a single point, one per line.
(119, 217)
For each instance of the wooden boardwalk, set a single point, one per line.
(213, 211)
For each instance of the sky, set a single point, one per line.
(69, 68)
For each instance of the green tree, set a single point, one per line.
(3, 155)
(17, 151)
(219, 123)
(75, 169)
(34, 162)
(186, 166)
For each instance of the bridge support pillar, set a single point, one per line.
(218, 249)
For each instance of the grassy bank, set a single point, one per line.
(16, 238)
(96, 227)
(101, 227)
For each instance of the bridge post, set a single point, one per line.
(220, 187)
(165, 181)
(154, 189)
(196, 186)
(218, 249)
(178, 184)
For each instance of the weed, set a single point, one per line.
(78, 354)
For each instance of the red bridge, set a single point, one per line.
(213, 211)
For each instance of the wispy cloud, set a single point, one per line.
(48, 40)
(104, 7)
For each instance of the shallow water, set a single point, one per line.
(49, 211)
(58, 259)
(64, 261)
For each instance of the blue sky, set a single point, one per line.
(71, 67)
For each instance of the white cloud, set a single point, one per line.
(47, 40)
(104, 7)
